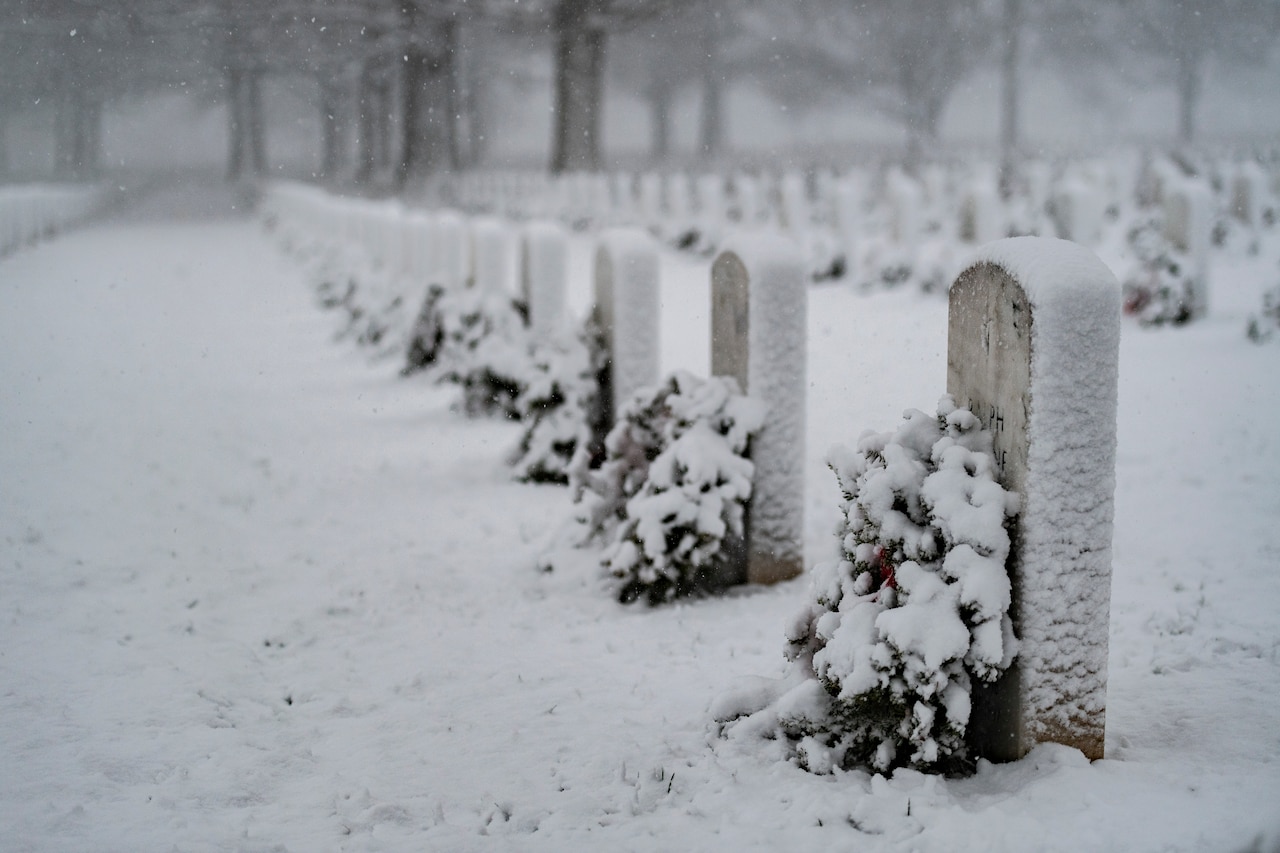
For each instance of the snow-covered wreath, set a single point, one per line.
(672, 492)
(476, 340)
(885, 653)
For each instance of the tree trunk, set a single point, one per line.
(88, 138)
(255, 124)
(660, 122)
(415, 146)
(1012, 24)
(473, 104)
(382, 123)
(913, 120)
(429, 118)
(365, 106)
(711, 120)
(579, 75)
(1189, 85)
(6, 168)
(236, 153)
(331, 147)
(66, 131)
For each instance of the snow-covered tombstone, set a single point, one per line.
(793, 197)
(847, 209)
(650, 199)
(417, 227)
(1188, 226)
(712, 202)
(751, 203)
(1078, 211)
(388, 220)
(625, 319)
(906, 198)
(680, 229)
(1033, 340)
(1250, 201)
(449, 250)
(544, 272)
(622, 187)
(758, 327)
(489, 263)
(981, 214)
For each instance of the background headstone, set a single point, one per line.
(544, 270)
(626, 315)
(1188, 225)
(758, 336)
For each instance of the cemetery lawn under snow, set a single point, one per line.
(259, 593)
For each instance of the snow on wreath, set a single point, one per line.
(885, 653)
(670, 497)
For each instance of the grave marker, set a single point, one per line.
(626, 316)
(488, 248)
(758, 334)
(544, 269)
(1033, 340)
(1188, 225)
(448, 250)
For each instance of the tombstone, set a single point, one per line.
(758, 336)
(679, 198)
(389, 219)
(417, 237)
(624, 195)
(981, 215)
(847, 210)
(1188, 225)
(1249, 194)
(1033, 341)
(600, 195)
(450, 266)
(936, 182)
(488, 248)
(1079, 209)
(905, 202)
(793, 197)
(650, 199)
(750, 200)
(1039, 177)
(625, 315)
(712, 204)
(544, 271)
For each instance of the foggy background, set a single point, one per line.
(385, 93)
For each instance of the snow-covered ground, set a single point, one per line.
(258, 593)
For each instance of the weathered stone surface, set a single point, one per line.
(544, 271)
(626, 314)
(758, 333)
(1034, 357)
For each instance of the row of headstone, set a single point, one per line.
(1033, 339)
(403, 250)
(1033, 351)
(1075, 200)
(31, 213)
(758, 335)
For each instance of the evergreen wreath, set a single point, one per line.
(555, 408)
(475, 340)
(1263, 327)
(1159, 291)
(673, 488)
(884, 656)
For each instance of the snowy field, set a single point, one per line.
(258, 593)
